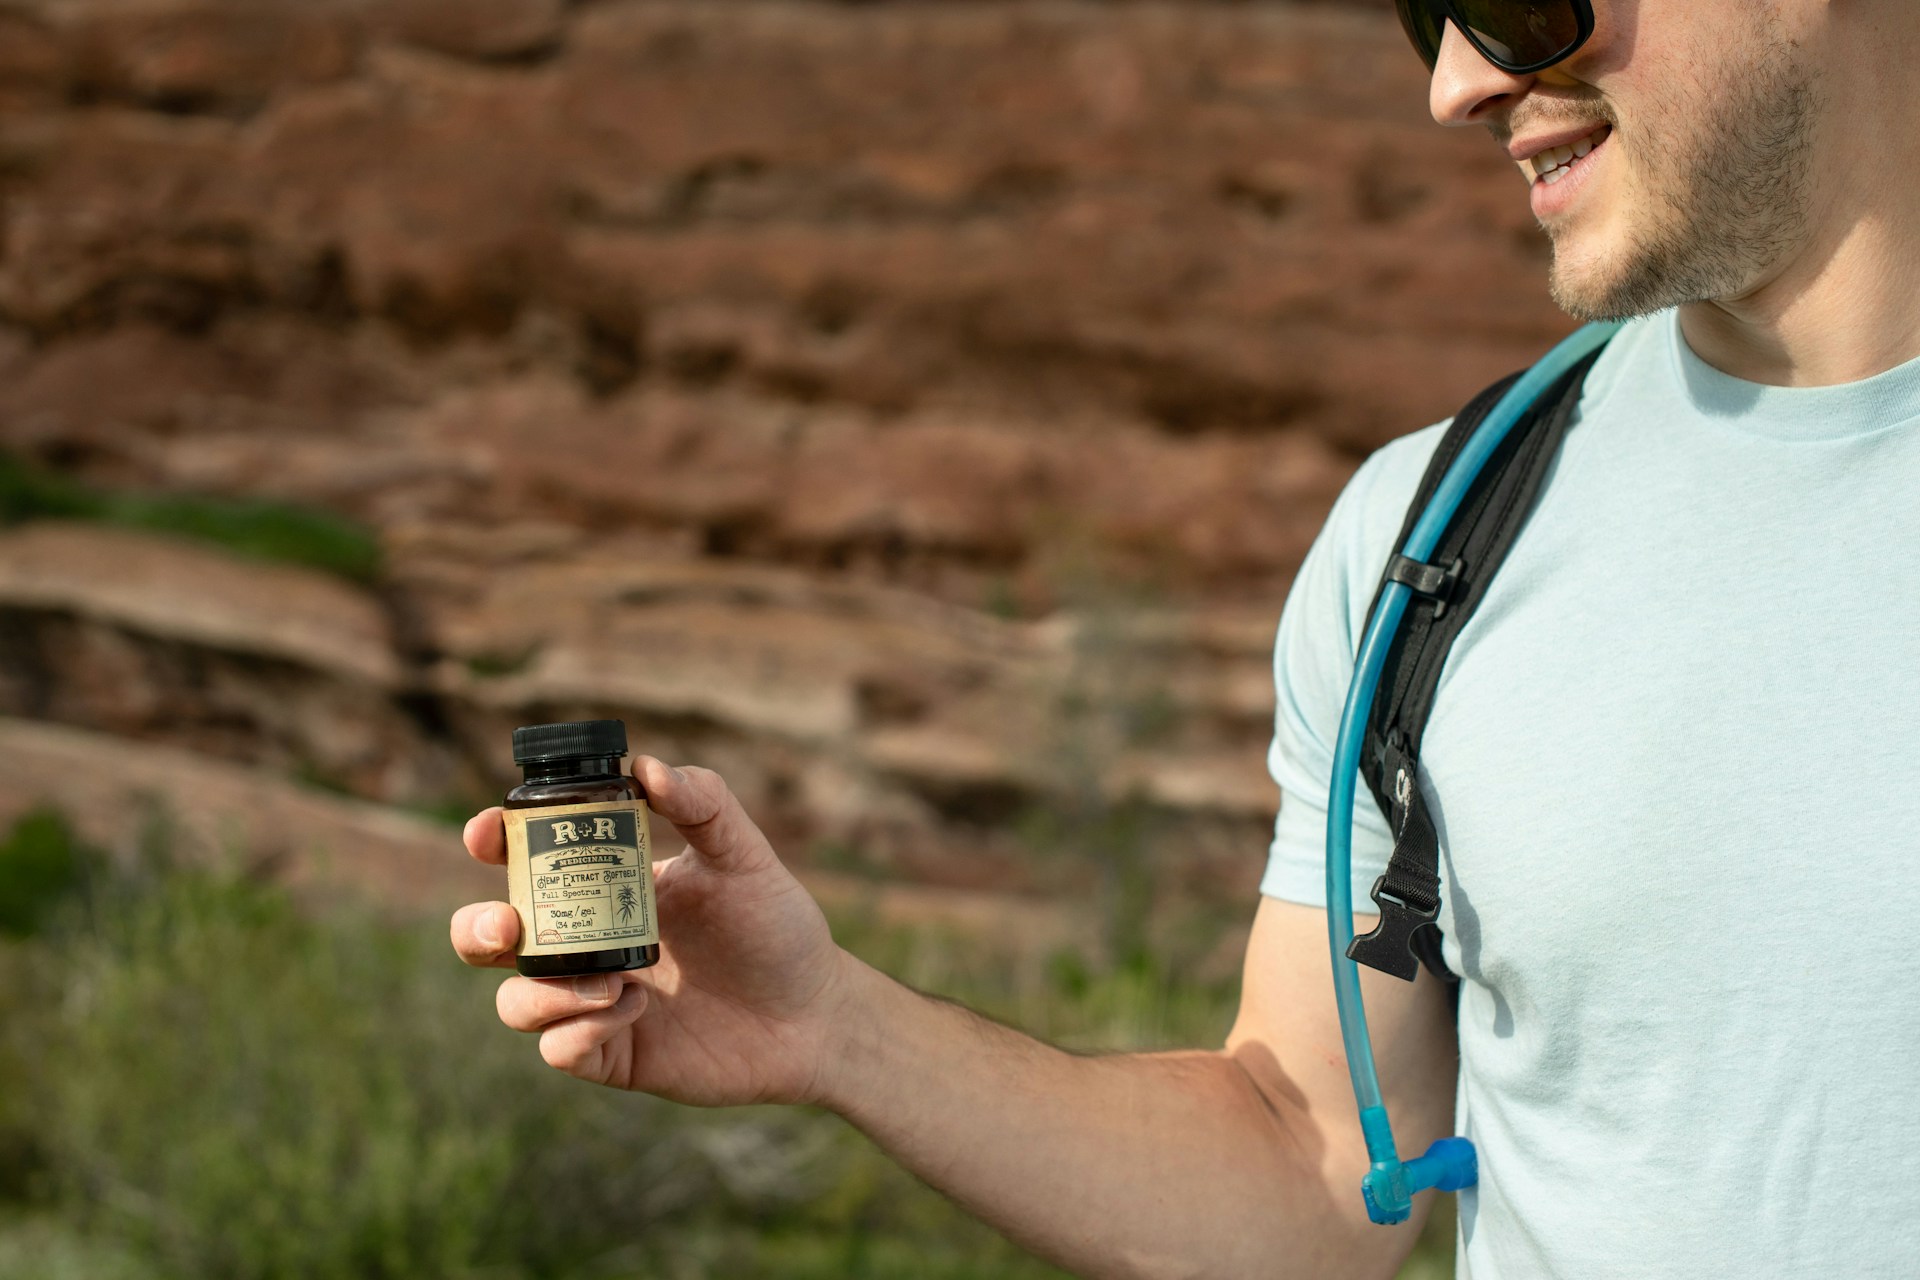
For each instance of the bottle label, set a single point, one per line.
(581, 877)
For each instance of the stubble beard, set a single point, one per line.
(1722, 210)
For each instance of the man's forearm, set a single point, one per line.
(1169, 1164)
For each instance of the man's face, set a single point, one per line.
(1682, 156)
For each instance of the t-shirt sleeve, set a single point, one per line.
(1313, 665)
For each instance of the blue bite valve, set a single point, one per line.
(1390, 1185)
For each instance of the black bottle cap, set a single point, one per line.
(574, 740)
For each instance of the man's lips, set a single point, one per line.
(1533, 144)
(1560, 175)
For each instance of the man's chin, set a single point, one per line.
(1579, 295)
(1600, 282)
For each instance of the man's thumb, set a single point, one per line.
(705, 812)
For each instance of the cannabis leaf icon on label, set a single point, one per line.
(629, 902)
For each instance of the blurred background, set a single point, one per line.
(914, 411)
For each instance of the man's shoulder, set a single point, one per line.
(1360, 532)
(1376, 499)
(1392, 472)
(1371, 509)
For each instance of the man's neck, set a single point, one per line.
(1845, 304)
(1842, 310)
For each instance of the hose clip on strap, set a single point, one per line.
(1436, 582)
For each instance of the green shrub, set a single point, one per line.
(45, 1248)
(42, 867)
(216, 1084)
(28, 493)
(262, 530)
(251, 527)
(235, 1091)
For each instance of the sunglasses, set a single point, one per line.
(1517, 36)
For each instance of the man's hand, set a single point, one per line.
(743, 1003)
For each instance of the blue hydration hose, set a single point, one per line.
(1450, 1163)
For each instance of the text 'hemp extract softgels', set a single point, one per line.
(579, 864)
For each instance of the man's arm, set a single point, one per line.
(1235, 1163)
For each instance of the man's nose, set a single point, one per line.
(1466, 88)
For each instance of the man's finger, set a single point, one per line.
(533, 1004)
(485, 836)
(581, 1046)
(485, 933)
(702, 809)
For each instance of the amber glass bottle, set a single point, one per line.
(579, 861)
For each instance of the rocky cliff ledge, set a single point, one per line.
(915, 410)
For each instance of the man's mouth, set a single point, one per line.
(1555, 163)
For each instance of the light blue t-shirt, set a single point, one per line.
(1674, 761)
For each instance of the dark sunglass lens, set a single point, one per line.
(1520, 33)
(1422, 26)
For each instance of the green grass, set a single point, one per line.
(199, 1080)
(263, 530)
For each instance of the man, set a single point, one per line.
(1670, 762)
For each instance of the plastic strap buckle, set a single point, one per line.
(1430, 580)
(1389, 947)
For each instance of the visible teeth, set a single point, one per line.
(1553, 157)
(1552, 176)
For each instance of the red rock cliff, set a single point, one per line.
(850, 396)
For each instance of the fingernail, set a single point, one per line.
(487, 933)
(594, 988)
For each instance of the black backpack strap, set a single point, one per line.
(1446, 592)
